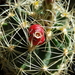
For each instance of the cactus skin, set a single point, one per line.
(37, 37)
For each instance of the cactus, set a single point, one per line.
(36, 37)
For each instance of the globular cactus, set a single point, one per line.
(37, 37)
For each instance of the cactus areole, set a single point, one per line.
(37, 35)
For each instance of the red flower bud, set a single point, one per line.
(37, 36)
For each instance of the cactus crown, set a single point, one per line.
(36, 37)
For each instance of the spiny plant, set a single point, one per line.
(37, 37)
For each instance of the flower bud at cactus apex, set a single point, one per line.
(37, 35)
